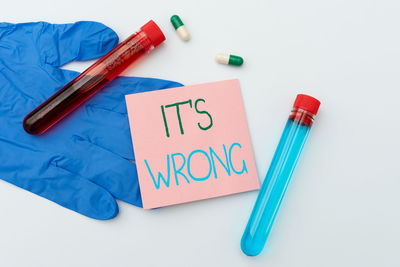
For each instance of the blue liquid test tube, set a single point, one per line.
(278, 176)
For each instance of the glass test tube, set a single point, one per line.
(93, 79)
(279, 174)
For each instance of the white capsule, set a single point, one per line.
(183, 33)
(222, 58)
(180, 28)
(229, 59)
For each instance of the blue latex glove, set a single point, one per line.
(85, 161)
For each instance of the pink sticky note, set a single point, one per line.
(191, 143)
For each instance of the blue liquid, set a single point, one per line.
(274, 187)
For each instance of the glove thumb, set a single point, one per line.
(83, 40)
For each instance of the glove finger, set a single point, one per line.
(74, 193)
(104, 168)
(112, 97)
(29, 97)
(61, 43)
(106, 114)
(109, 130)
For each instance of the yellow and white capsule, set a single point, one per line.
(229, 59)
(180, 28)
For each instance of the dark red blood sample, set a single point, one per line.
(93, 79)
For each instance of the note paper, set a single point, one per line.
(191, 143)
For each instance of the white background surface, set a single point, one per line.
(342, 206)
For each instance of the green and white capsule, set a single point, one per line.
(229, 59)
(180, 28)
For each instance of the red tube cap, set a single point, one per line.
(154, 33)
(307, 103)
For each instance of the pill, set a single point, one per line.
(229, 59)
(180, 28)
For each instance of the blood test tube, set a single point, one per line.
(278, 176)
(93, 79)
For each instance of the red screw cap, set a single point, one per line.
(154, 33)
(307, 103)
